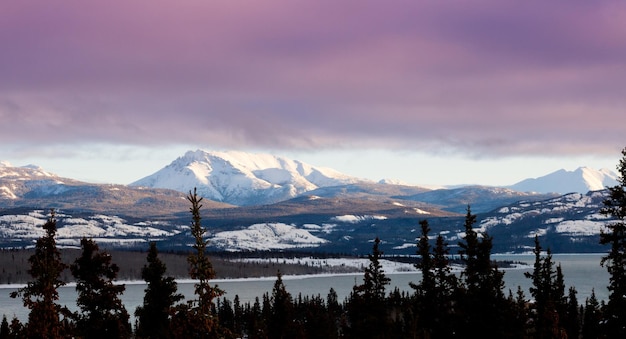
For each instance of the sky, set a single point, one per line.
(427, 92)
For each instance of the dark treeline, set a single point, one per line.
(440, 305)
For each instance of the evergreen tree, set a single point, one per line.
(280, 322)
(41, 294)
(548, 293)
(17, 329)
(102, 313)
(434, 294)
(198, 318)
(4, 328)
(482, 299)
(592, 318)
(153, 317)
(366, 309)
(615, 261)
(571, 322)
(374, 280)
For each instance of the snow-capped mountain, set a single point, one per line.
(241, 178)
(16, 181)
(581, 180)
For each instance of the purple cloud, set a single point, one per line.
(483, 78)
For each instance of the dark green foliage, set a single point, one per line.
(102, 314)
(153, 317)
(592, 318)
(482, 298)
(198, 319)
(615, 261)
(4, 328)
(17, 329)
(571, 321)
(40, 295)
(367, 312)
(280, 324)
(434, 294)
(548, 292)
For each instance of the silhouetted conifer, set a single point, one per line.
(434, 304)
(592, 318)
(482, 301)
(41, 294)
(367, 312)
(154, 316)
(101, 311)
(198, 319)
(4, 328)
(615, 261)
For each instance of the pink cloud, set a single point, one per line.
(486, 77)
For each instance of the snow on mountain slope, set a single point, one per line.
(263, 237)
(71, 229)
(14, 181)
(241, 178)
(582, 180)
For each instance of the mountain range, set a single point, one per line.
(265, 202)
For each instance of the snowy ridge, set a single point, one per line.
(268, 236)
(14, 179)
(582, 180)
(241, 178)
(573, 214)
(71, 229)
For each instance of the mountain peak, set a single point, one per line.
(581, 180)
(242, 178)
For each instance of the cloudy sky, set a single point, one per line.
(428, 92)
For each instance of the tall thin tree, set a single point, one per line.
(41, 294)
(198, 318)
(483, 297)
(615, 261)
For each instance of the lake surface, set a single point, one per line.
(582, 271)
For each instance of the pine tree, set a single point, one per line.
(17, 329)
(4, 328)
(366, 309)
(41, 294)
(592, 318)
(615, 261)
(102, 313)
(281, 318)
(434, 294)
(374, 280)
(198, 318)
(571, 322)
(153, 317)
(483, 299)
(541, 291)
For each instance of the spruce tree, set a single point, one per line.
(41, 294)
(366, 309)
(280, 323)
(571, 322)
(548, 292)
(434, 294)
(101, 311)
(198, 318)
(4, 328)
(153, 317)
(482, 300)
(615, 261)
(592, 318)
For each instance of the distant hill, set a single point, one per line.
(581, 180)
